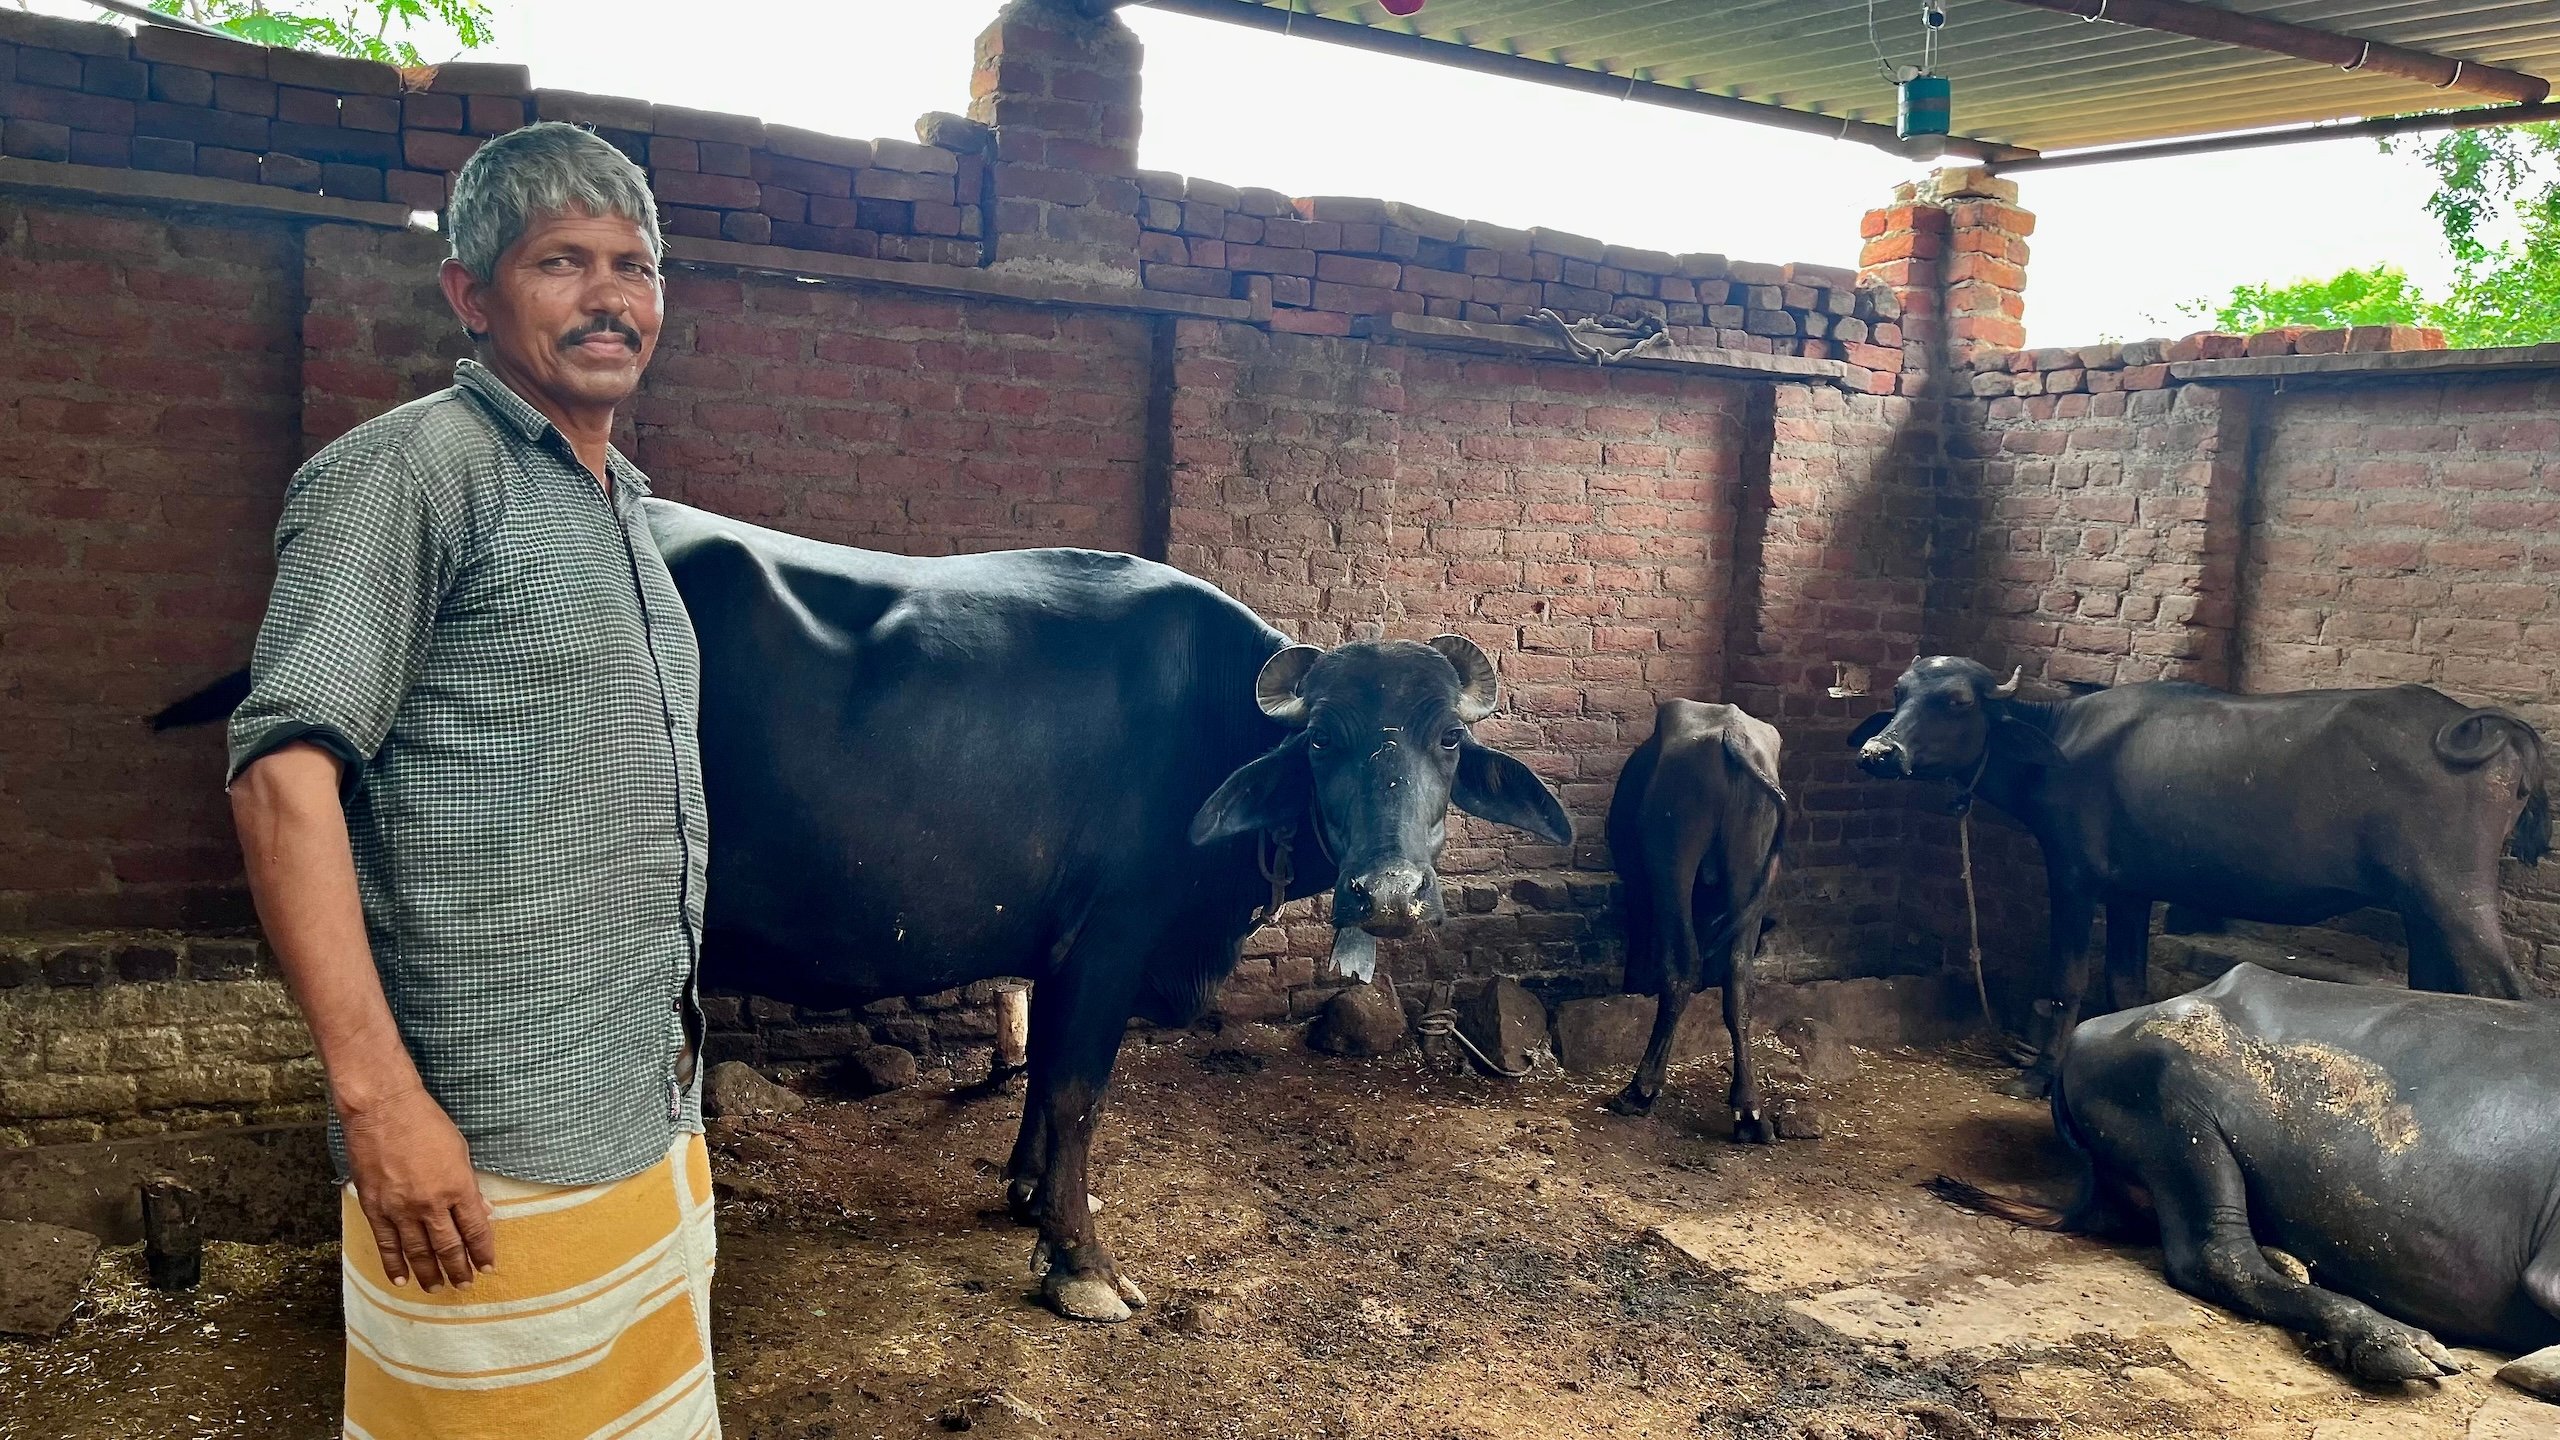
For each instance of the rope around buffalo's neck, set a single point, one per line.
(1972, 906)
(1445, 1022)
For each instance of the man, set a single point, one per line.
(468, 791)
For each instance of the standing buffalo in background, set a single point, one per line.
(2287, 809)
(1084, 769)
(1079, 768)
(2402, 1147)
(1695, 827)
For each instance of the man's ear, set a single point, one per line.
(1264, 795)
(1870, 728)
(1494, 786)
(462, 292)
(2024, 743)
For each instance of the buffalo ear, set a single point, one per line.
(1493, 786)
(1870, 728)
(2026, 744)
(1264, 795)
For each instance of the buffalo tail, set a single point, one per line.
(2482, 735)
(214, 702)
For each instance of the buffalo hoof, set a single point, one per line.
(2537, 1374)
(1104, 1300)
(1631, 1101)
(2388, 1353)
(1753, 1127)
(2033, 1085)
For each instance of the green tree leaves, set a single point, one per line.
(360, 28)
(2506, 293)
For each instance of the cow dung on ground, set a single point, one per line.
(42, 1271)
(1361, 1023)
(734, 1089)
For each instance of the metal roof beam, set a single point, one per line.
(2303, 42)
(1590, 82)
(2473, 119)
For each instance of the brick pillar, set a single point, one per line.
(1901, 264)
(1061, 90)
(1986, 266)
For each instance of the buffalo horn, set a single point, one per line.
(2011, 688)
(1475, 675)
(1275, 689)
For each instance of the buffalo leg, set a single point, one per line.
(2209, 1250)
(1026, 1173)
(2067, 974)
(1750, 1124)
(2128, 952)
(1646, 1087)
(1081, 1044)
(1675, 942)
(2457, 947)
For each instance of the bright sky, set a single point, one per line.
(2117, 248)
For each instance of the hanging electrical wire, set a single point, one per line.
(1933, 18)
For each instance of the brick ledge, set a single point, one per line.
(2371, 365)
(105, 183)
(1491, 339)
(951, 279)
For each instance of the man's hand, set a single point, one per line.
(413, 1179)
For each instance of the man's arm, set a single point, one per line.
(412, 1168)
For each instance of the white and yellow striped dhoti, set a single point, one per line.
(595, 1326)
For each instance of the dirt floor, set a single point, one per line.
(1360, 1249)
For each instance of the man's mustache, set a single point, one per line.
(602, 325)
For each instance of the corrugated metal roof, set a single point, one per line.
(2022, 76)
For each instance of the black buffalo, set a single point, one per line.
(2288, 809)
(2404, 1147)
(1695, 827)
(1079, 768)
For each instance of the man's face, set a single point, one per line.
(572, 311)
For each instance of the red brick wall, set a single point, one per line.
(2106, 523)
(2411, 532)
(896, 420)
(1835, 552)
(147, 401)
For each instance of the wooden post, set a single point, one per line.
(172, 1234)
(1013, 1033)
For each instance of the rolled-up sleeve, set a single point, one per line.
(363, 561)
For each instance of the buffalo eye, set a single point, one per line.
(1453, 737)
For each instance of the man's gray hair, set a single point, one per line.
(542, 170)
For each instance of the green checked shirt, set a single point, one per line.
(492, 645)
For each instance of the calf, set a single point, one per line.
(1695, 827)
(2288, 809)
(2402, 1146)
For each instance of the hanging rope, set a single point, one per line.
(1271, 852)
(1445, 1022)
(1972, 907)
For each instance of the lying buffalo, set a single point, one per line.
(2288, 809)
(2401, 1146)
(1695, 828)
